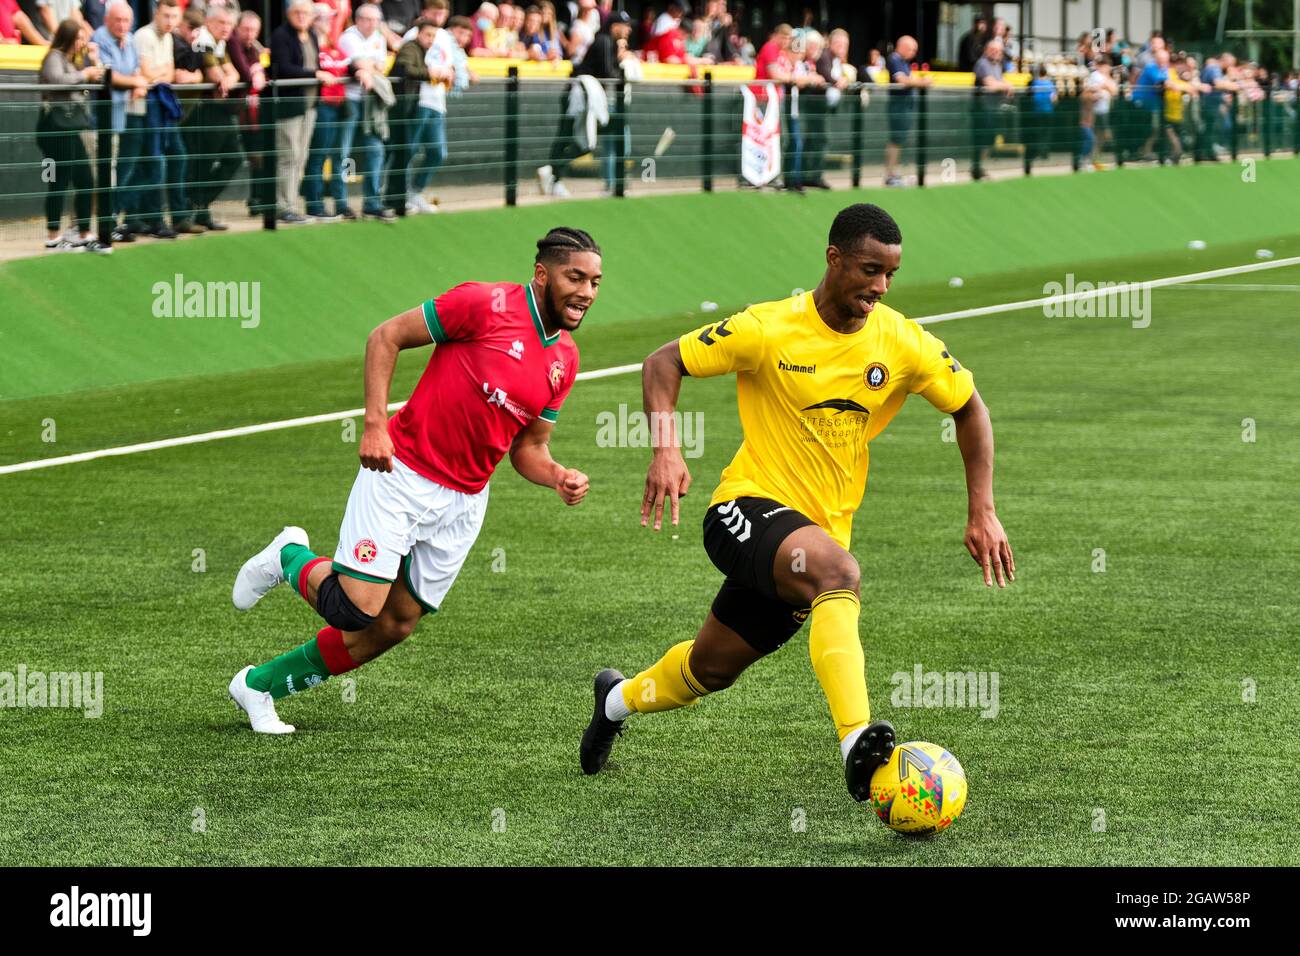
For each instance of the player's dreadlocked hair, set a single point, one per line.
(561, 242)
(864, 221)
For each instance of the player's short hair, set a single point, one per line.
(561, 242)
(864, 221)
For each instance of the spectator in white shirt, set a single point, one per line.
(364, 42)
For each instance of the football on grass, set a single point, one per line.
(922, 789)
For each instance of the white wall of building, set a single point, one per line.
(1044, 18)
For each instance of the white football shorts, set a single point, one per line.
(400, 522)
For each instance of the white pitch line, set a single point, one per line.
(1240, 287)
(1089, 293)
(242, 430)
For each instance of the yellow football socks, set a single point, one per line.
(838, 660)
(666, 685)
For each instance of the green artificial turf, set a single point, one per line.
(1120, 691)
(84, 322)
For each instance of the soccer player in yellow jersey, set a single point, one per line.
(818, 376)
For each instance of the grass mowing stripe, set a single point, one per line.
(139, 447)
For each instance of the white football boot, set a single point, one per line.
(258, 705)
(262, 571)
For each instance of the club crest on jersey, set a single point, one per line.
(365, 551)
(556, 374)
(876, 376)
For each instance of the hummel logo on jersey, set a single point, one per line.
(785, 366)
(517, 349)
(839, 405)
(720, 330)
(735, 522)
(776, 511)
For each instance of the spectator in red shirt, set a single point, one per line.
(667, 41)
(15, 26)
(485, 20)
(774, 63)
(333, 115)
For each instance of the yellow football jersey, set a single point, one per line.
(811, 399)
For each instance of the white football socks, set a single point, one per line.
(846, 744)
(615, 709)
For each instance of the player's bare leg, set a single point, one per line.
(812, 570)
(393, 624)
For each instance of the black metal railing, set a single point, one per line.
(681, 135)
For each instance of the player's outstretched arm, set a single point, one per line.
(985, 539)
(405, 331)
(668, 477)
(530, 453)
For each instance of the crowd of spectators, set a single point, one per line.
(1185, 108)
(366, 89)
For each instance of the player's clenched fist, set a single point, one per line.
(572, 486)
(376, 449)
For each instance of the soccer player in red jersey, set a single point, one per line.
(503, 364)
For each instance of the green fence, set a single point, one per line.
(683, 136)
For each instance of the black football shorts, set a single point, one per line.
(741, 538)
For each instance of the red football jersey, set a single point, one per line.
(493, 370)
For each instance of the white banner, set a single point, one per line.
(760, 137)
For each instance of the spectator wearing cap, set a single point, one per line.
(901, 103)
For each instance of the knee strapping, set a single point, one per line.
(334, 605)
